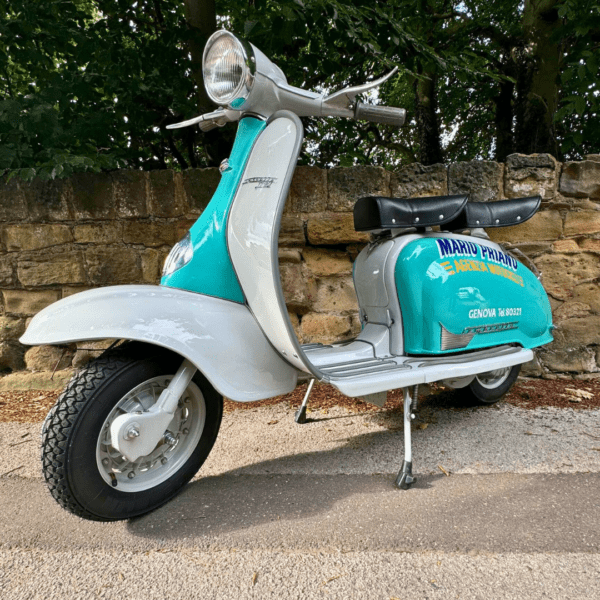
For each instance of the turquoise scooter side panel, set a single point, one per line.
(459, 295)
(210, 270)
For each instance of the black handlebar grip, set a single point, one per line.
(387, 115)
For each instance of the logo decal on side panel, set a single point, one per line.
(261, 182)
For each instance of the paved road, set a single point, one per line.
(289, 527)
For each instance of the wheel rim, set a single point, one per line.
(169, 456)
(493, 379)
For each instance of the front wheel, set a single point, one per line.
(89, 477)
(488, 388)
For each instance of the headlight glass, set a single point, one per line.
(180, 255)
(226, 68)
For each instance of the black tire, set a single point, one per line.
(72, 428)
(486, 392)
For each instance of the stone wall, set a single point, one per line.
(61, 237)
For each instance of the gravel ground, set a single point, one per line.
(266, 440)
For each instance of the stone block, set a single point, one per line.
(47, 358)
(324, 329)
(336, 295)
(8, 265)
(580, 331)
(533, 249)
(323, 262)
(345, 185)
(570, 360)
(417, 180)
(588, 294)
(49, 200)
(533, 368)
(297, 290)
(27, 303)
(571, 309)
(11, 356)
(562, 272)
(199, 186)
(581, 179)
(11, 328)
(51, 268)
(183, 227)
(590, 245)
(93, 196)
(71, 291)
(291, 232)
(152, 262)
(296, 326)
(334, 228)
(592, 157)
(566, 246)
(544, 225)
(289, 255)
(308, 191)
(130, 190)
(530, 175)
(582, 222)
(166, 194)
(12, 201)
(96, 233)
(107, 266)
(481, 179)
(30, 236)
(150, 234)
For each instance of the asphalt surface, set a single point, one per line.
(309, 522)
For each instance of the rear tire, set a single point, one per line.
(488, 388)
(79, 466)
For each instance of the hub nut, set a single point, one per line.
(164, 460)
(131, 474)
(132, 431)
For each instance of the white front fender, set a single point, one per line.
(221, 338)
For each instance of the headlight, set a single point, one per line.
(228, 67)
(180, 255)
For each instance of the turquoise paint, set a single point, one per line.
(459, 285)
(210, 271)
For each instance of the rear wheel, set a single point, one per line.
(488, 388)
(89, 477)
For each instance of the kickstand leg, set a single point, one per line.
(405, 477)
(300, 416)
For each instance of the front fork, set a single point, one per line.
(137, 434)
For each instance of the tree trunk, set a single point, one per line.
(539, 63)
(428, 129)
(503, 119)
(202, 19)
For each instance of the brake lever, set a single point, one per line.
(344, 98)
(209, 121)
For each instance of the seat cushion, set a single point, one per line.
(502, 213)
(376, 212)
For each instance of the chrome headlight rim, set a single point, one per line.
(244, 86)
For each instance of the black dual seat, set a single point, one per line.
(452, 213)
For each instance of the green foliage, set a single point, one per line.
(91, 84)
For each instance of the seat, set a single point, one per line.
(502, 213)
(376, 213)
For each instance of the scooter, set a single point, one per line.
(436, 305)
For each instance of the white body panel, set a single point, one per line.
(221, 338)
(253, 231)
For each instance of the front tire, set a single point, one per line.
(488, 388)
(85, 474)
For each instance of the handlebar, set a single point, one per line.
(386, 115)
